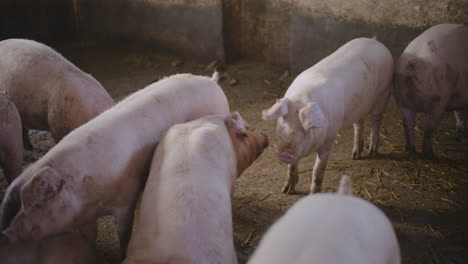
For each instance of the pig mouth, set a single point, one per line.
(287, 158)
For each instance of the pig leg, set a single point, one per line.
(431, 122)
(292, 178)
(124, 221)
(408, 125)
(377, 114)
(321, 161)
(358, 139)
(12, 164)
(26, 143)
(459, 129)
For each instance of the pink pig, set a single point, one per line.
(71, 248)
(432, 77)
(100, 168)
(49, 91)
(330, 228)
(336, 93)
(11, 143)
(185, 212)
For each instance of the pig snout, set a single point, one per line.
(11, 237)
(266, 141)
(287, 157)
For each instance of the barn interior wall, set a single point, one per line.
(288, 33)
(49, 21)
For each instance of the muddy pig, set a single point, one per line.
(99, 168)
(49, 91)
(337, 92)
(185, 212)
(11, 143)
(71, 248)
(431, 76)
(330, 228)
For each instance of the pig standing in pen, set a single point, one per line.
(11, 143)
(336, 93)
(185, 214)
(330, 228)
(432, 77)
(100, 167)
(49, 91)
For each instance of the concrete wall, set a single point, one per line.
(258, 29)
(319, 27)
(48, 21)
(298, 33)
(292, 34)
(185, 27)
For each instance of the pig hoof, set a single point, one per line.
(288, 189)
(356, 156)
(411, 150)
(429, 156)
(315, 190)
(459, 136)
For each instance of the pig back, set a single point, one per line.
(434, 66)
(186, 202)
(347, 83)
(330, 228)
(116, 147)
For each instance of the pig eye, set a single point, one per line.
(234, 116)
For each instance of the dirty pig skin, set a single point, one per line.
(330, 228)
(11, 143)
(99, 168)
(431, 76)
(337, 92)
(185, 212)
(49, 91)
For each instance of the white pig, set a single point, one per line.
(431, 76)
(337, 92)
(330, 228)
(100, 167)
(49, 91)
(185, 212)
(11, 143)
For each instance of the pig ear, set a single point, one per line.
(346, 186)
(237, 124)
(312, 116)
(42, 187)
(279, 109)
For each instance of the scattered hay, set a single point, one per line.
(249, 238)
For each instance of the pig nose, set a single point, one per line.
(265, 140)
(287, 157)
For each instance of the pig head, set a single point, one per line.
(43, 205)
(247, 145)
(300, 128)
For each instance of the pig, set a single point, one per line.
(431, 76)
(100, 167)
(49, 91)
(330, 228)
(185, 211)
(11, 142)
(72, 248)
(337, 92)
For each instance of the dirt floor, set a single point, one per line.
(425, 200)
